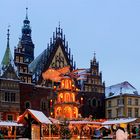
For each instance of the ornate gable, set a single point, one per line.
(59, 59)
(57, 55)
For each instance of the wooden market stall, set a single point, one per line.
(34, 122)
(83, 128)
(8, 129)
(114, 123)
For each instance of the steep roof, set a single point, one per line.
(37, 61)
(121, 88)
(7, 58)
(37, 115)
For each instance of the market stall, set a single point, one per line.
(8, 129)
(34, 122)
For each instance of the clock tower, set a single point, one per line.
(24, 52)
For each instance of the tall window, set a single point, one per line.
(109, 103)
(43, 105)
(129, 112)
(7, 96)
(136, 101)
(109, 113)
(117, 112)
(12, 97)
(129, 101)
(99, 103)
(136, 112)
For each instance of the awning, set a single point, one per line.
(9, 123)
(119, 121)
(85, 122)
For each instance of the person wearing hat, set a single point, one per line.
(121, 133)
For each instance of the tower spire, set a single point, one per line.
(94, 58)
(8, 35)
(26, 12)
(59, 27)
(7, 58)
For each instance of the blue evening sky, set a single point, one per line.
(111, 28)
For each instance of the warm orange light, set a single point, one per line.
(81, 98)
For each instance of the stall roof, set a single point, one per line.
(37, 115)
(9, 123)
(118, 121)
(85, 122)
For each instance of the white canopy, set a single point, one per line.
(118, 121)
(9, 123)
(85, 122)
(40, 116)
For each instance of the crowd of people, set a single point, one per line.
(118, 132)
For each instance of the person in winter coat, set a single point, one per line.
(121, 134)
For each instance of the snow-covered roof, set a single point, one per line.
(119, 121)
(84, 122)
(121, 88)
(35, 63)
(9, 123)
(40, 116)
(55, 121)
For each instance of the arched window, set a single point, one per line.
(99, 103)
(27, 104)
(73, 97)
(67, 97)
(60, 98)
(94, 102)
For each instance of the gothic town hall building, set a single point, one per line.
(22, 85)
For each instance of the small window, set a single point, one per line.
(13, 97)
(27, 105)
(10, 117)
(43, 105)
(109, 113)
(94, 102)
(111, 94)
